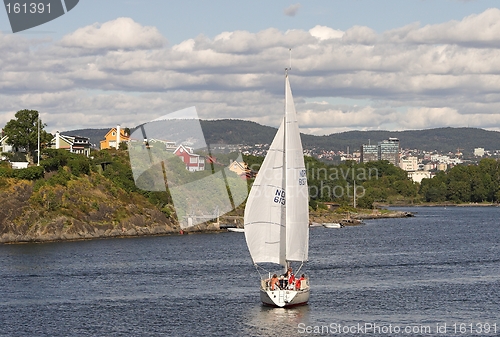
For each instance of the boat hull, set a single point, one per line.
(236, 230)
(332, 225)
(284, 298)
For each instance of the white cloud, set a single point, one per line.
(325, 33)
(122, 33)
(360, 35)
(478, 30)
(123, 72)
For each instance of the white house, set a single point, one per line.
(74, 144)
(417, 176)
(4, 147)
(16, 165)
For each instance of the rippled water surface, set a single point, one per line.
(440, 267)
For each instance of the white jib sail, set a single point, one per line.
(264, 216)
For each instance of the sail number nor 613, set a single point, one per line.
(279, 196)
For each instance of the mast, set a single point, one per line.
(283, 242)
(283, 260)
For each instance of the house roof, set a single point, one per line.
(72, 139)
(123, 136)
(187, 149)
(242, 165)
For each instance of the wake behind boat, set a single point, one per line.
(276, 218)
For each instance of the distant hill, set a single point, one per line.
(235, 131)
(440, 139)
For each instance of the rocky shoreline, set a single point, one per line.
(58, 230)
(61, 229)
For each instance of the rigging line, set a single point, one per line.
(257, 267)
(300, 267)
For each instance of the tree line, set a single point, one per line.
(473, 183)
(372, 182)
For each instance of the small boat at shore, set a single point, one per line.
(236, 230)
(333, 225)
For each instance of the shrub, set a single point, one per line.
(30, 173)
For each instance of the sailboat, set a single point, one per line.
(276, 220)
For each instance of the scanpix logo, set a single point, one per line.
(170, 154)
(28, 14)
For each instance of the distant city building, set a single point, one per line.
(417, 176)
(389, 150)
(437, 158)
(479, 152)
(442, 166)
(369, 153)
(409, 164)
(384, 150)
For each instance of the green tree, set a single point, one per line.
(23, 131)
(434, 190)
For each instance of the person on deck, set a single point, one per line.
(298, 283)
(274, 282)
(291, 281)
(286, 277)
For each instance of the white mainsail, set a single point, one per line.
(277, 210)
(297, 196)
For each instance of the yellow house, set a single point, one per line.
(238, 168)
(113, 138)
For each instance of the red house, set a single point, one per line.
(193, 161)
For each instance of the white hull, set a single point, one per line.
(236, 230)
(332, 225)
(284, 298)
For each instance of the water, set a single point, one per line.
(441, 267)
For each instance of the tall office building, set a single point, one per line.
(389, 150)
(369, 153)
(385, 150)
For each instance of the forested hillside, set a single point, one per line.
(234, 131)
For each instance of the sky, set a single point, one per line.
(356, 64)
